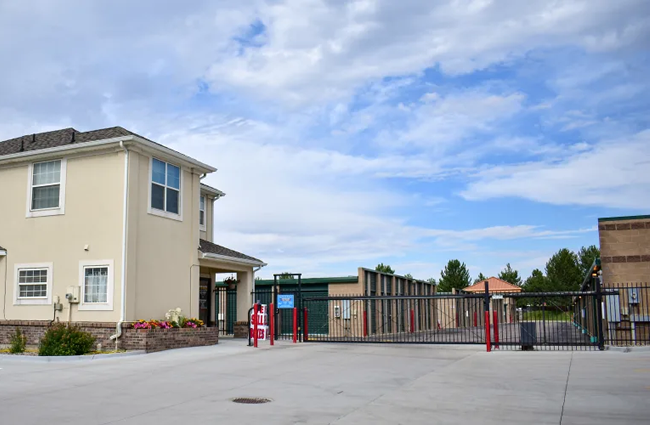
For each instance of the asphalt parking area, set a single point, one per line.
(332, 384)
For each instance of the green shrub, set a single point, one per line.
(65, 340)
(18, 342)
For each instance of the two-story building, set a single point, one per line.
(108, 226)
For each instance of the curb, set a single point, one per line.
(628, 349)
(63, 359)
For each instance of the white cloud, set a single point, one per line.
(319, 51)
(610, 174)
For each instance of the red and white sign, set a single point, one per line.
(262, 323)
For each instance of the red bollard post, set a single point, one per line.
(365, 323)
(412, 321)
(487, 332)
(271, 323)
(475, 319)
(295, 325)
(457, 320)
(255, 325)
(306, 331)
(496, 329)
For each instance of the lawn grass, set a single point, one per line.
(562, 316)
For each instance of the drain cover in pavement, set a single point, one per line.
(250, 400)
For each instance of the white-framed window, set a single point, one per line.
(33, 284)
(96, 285)
(202, 212)
(46, 188)
(165, 197)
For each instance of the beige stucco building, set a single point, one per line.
(108, 226)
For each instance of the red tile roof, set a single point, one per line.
(494, 285)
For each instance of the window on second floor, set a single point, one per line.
(165, 187)
(202, 212)
(46, 188)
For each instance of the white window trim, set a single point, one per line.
(161, 213)
(60, 210)
(203, 226)
(110, 287)
(34, 301)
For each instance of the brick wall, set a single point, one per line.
(625, 250)
(241, 330)
(35, 329)
(150, 340)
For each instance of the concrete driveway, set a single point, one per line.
(331, 384)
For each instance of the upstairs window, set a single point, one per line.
(165, 187)
(46, 188)
(202, 212)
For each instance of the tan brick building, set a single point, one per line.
(625, 250)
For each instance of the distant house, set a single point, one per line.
(107, 226)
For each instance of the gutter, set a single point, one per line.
(233, 259)
(3, 253)
(118, 330)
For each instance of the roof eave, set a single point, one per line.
(211, 256)
(216, 192)
(3, 253)
(96, 144)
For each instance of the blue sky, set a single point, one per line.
(348, 133)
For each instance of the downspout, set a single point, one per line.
(118, 327)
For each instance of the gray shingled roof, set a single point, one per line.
(66, 136)
(212, 248)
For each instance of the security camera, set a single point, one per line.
(68, 296)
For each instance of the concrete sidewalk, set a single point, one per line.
(332, 383)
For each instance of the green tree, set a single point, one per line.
(431, 280)
(480, 278)
(454, 276)
(408, 276)
(286, 275)
(384, 268)
(536, 282)
(563, 271)
(586, 256)
(510, 275)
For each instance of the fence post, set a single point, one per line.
(271, 323)
(255, 325)
(305, 325)
(476, 317)
(295, 324)
(599, 313)
(365, 323)
(412, 321)
(488, 341)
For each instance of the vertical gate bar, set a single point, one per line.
(496, 329)
(599, 305)
(271, 323)
(305, 329)
(295, 324)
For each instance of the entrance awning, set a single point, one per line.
(212, 251)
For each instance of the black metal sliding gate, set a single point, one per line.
(580, 320)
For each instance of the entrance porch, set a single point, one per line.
(219, 304)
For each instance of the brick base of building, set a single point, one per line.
(240, 330)
(149, 340)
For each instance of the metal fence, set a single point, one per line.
(225, 309)
(435, 319)
(581, 320)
